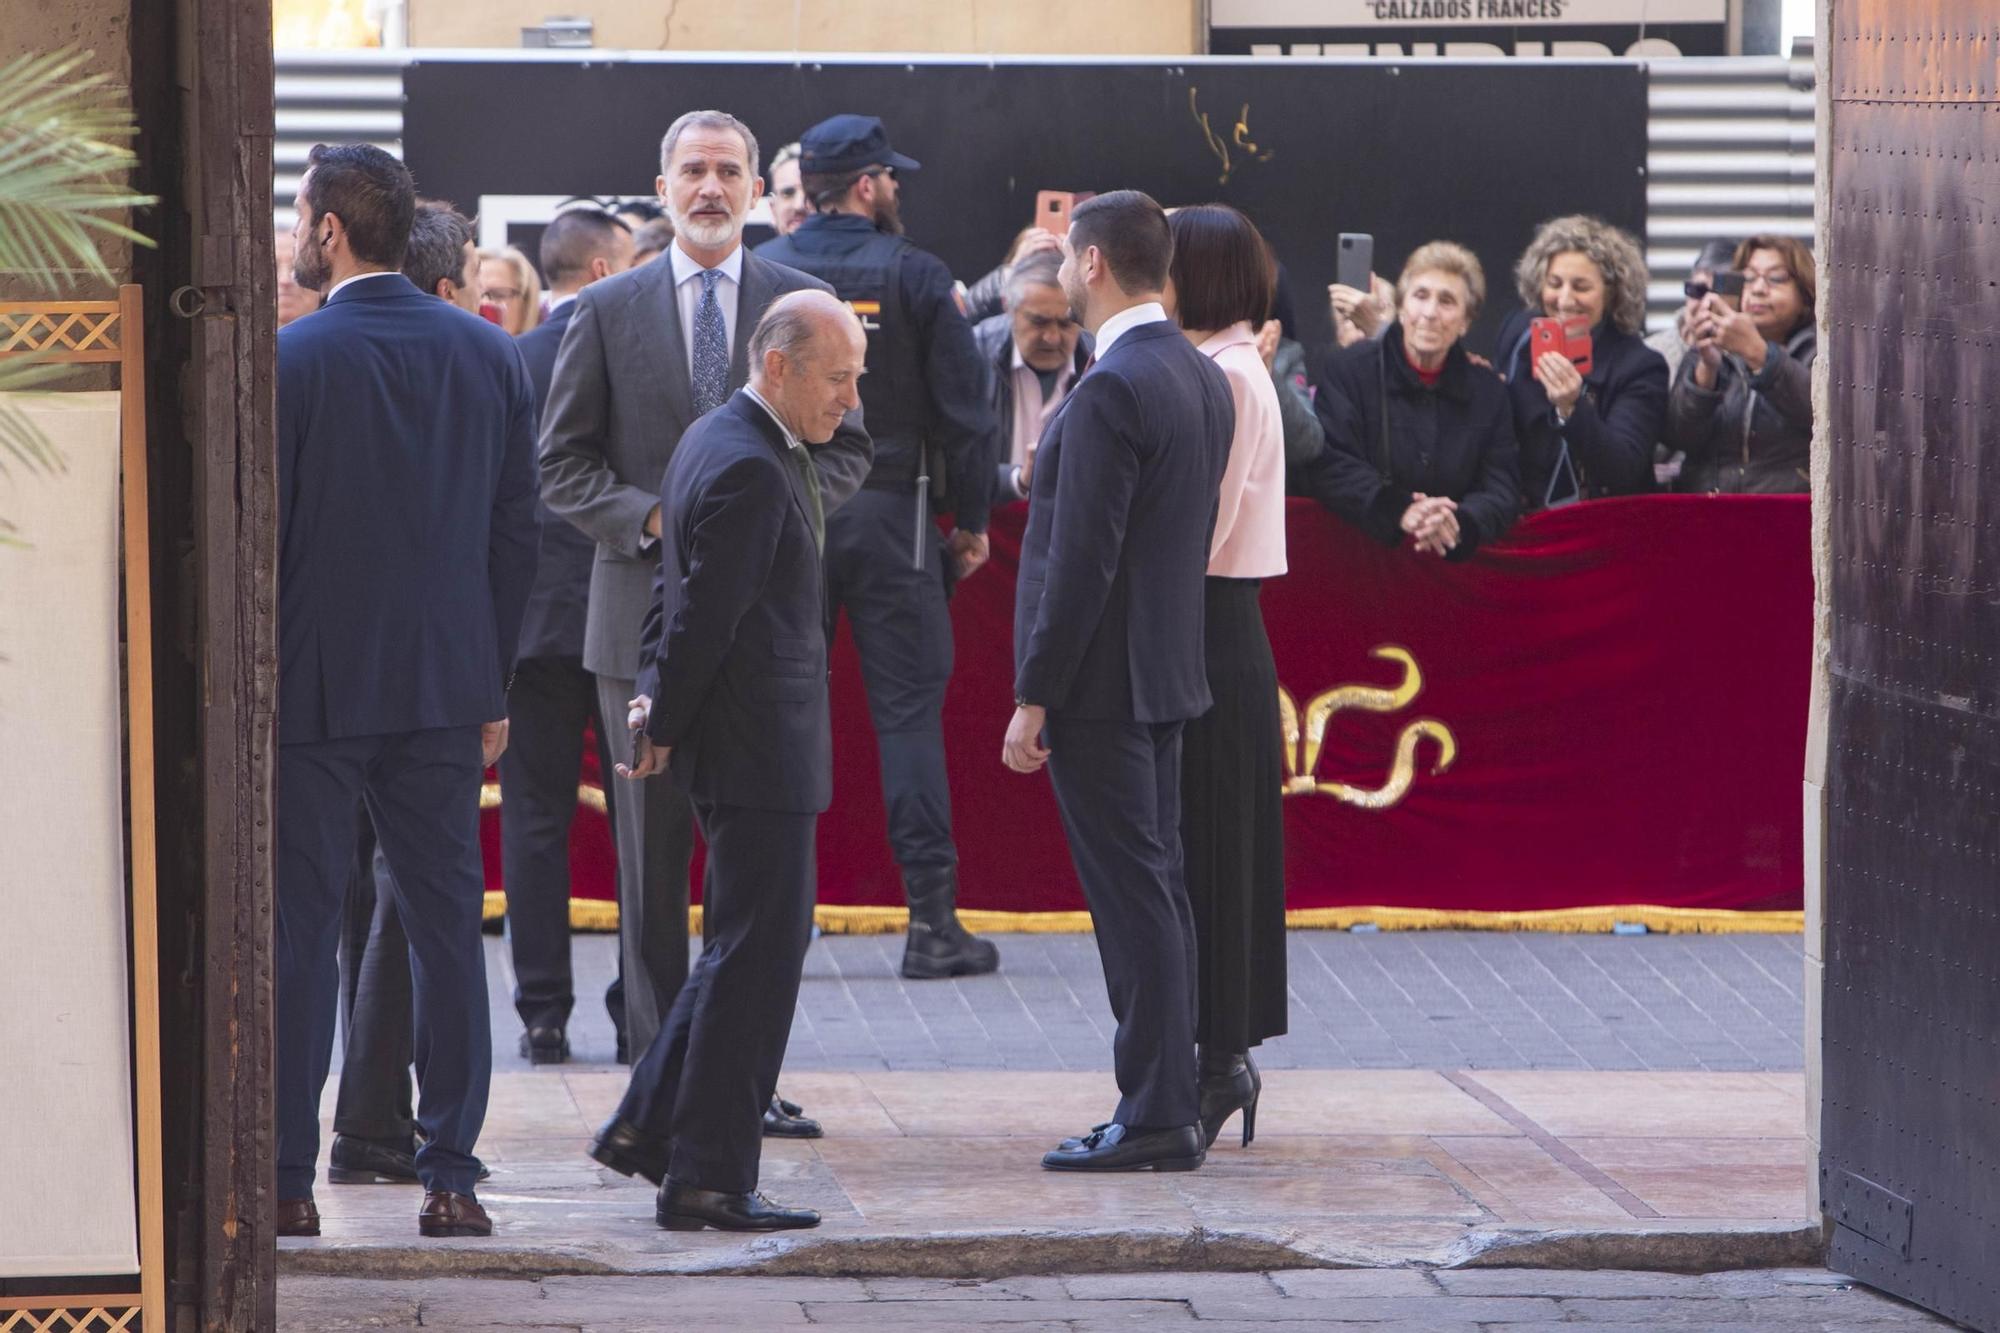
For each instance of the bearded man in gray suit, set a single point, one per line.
(647, 352)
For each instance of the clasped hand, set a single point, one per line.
(1433, 521)
(647, 758)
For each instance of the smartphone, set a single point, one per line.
(1356, 264)
(1571, 337)
(1052, 208)
(1727, 283)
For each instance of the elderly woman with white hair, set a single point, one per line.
(1583, 434)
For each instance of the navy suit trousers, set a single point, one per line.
(374, 1097)
(1118, 786)
(713, 1067)
(422, 794)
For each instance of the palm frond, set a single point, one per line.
(64, 157)
(20, 440)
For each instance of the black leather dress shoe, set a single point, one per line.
(685, 1208)
(358, 1161)
(296, 1217)
(784, 1120)
(545, 1046)
(1117, 1148)
(631, 1151)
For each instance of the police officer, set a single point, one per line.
(925, 404)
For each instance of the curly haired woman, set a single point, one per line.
(1583, 436)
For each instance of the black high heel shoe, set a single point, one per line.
(1229, 1083)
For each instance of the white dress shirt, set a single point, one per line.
(791, 441)
(1109, 332)
(687, 288)
(362, 277)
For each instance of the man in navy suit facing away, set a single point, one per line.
(1108, 658)
(732, 705)
(407, 538)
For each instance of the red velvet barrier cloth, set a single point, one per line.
(1623, 685)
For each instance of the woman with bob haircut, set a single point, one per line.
(1583, 435)
(1420, 444)
(1220, 286)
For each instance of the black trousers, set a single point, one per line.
(902, 630)
(1118, 786)
(549, 704)
(376, 1023)
(654, 830)
(1233, 827)
(711, 1071)
(422, 795)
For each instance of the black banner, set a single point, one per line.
(1478, 153)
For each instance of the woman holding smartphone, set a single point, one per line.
(1741, 404)
(1584, 434)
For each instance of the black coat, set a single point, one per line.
(733, 650)
(1613, 427)
(1108, 604)
(1455, 440)
(1750, 434)
(553, 623)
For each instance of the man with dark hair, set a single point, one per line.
(926, 407)
(553, 697)
(406, 525)
(1109, 660)
(1034, 351)
(374, 1131)
(440, 258)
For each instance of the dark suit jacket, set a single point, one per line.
(619, 402)
(1108, 604)
(553, 624)
(734, 643)
(406, 514)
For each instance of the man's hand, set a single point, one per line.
(653, 523)
(1560, 380)
(968, 550)
(492, 742)
(1037, 240)
(1023, 751)
(647, 758)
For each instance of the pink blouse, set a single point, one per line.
(1249, 538)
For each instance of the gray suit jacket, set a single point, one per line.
(618, 405)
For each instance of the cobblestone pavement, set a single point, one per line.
(1394, 1000)
(1497, 1300)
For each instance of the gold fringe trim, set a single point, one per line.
(601, 914)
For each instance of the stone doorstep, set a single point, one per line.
(1686, 1248)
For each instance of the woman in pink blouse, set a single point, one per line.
(1220, 287)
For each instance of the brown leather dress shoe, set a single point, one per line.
(448, 1214)
(297, 1217)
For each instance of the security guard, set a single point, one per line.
(925, 404)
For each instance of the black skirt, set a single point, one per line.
(1233, 828)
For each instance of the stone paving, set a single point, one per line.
(1498, 1301)
(1393, 1000)
(937, 1172)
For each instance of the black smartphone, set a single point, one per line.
(1727, 283)
(1356, 261)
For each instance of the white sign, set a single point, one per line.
(1460, 13)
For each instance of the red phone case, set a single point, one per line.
(1570, 337)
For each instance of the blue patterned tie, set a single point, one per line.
(711, 347)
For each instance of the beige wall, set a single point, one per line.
(997, 27)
